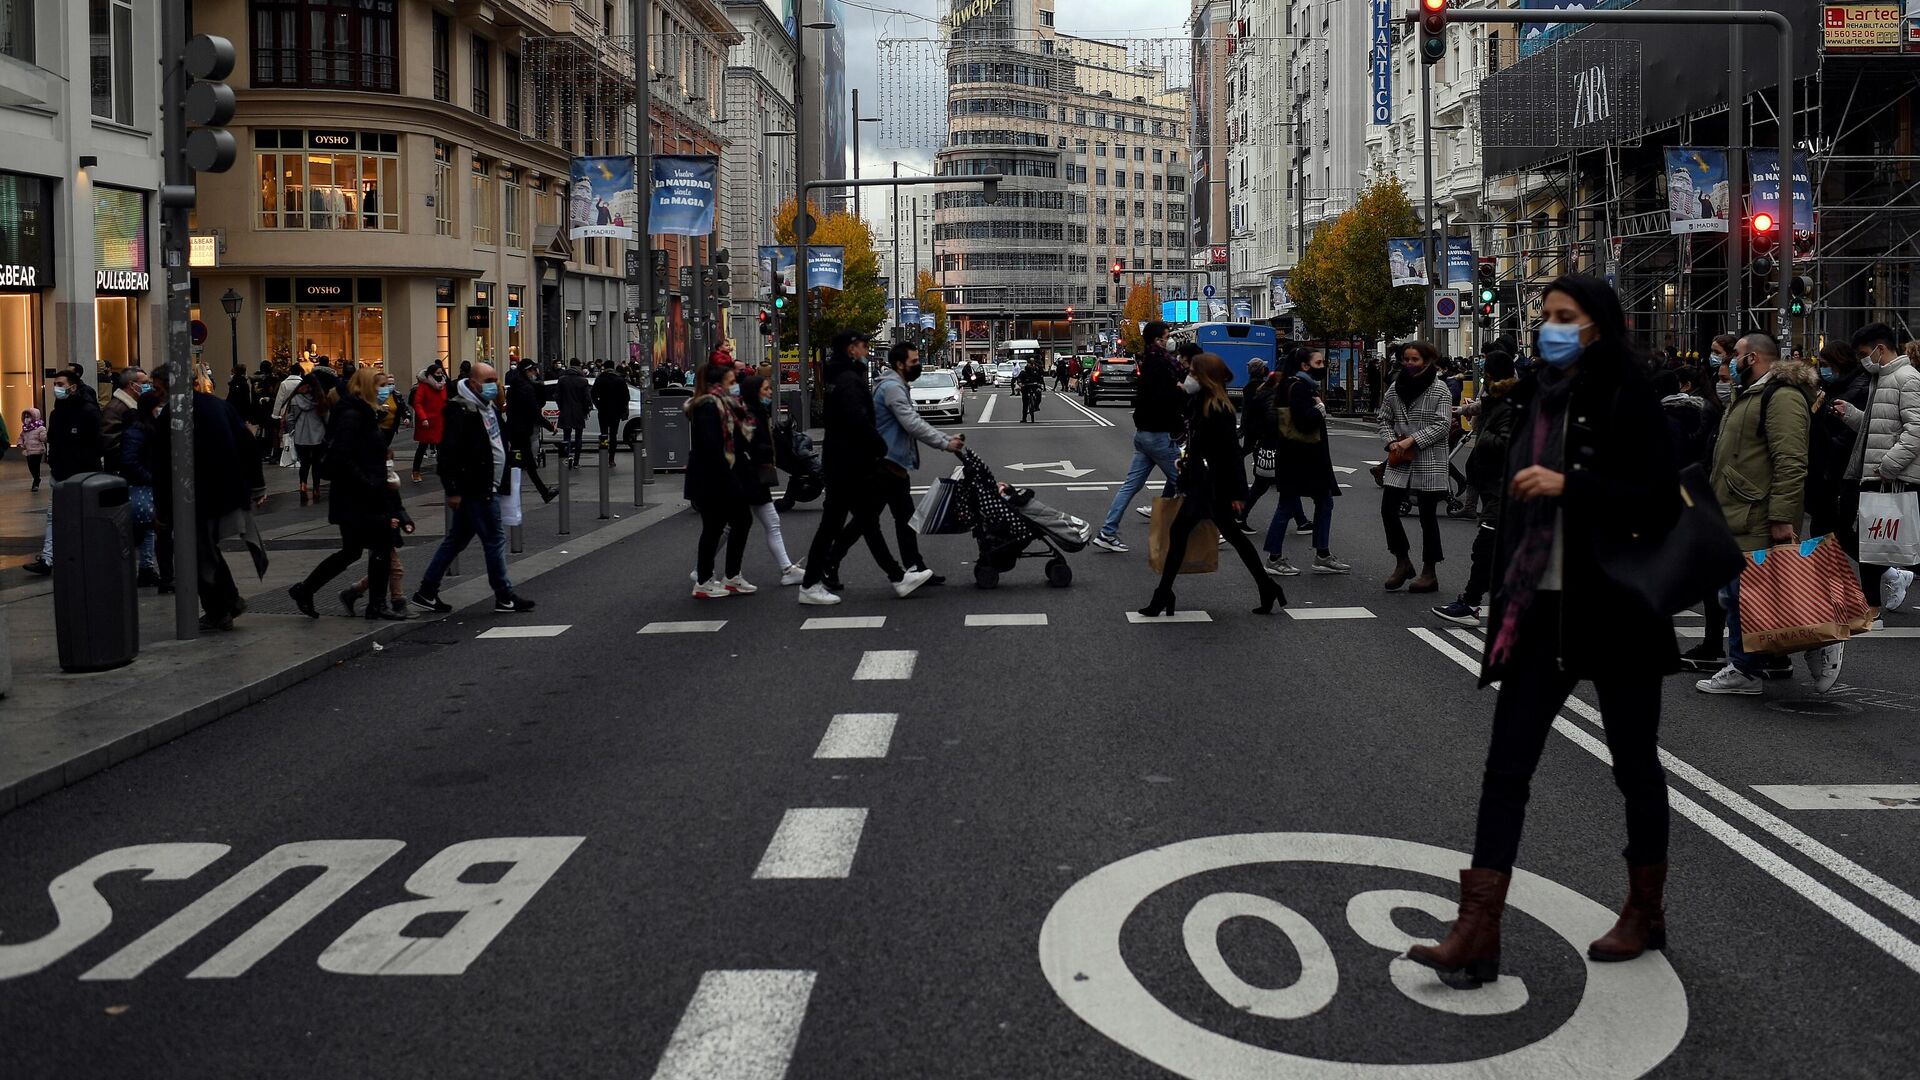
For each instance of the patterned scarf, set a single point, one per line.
(1544, 444)
(736, 423)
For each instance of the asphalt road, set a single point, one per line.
(1064, 846)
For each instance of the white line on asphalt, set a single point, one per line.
(1343, 469)
(1090, 414)
(1848, 913)
(741, 1025)
(988, 411)
(858, 735)
(1090, 487)
(1843, 796)
(499, 632)
(707, 627)
(1479, 643)
(883, 665)
(1006, 620)
(1315, 614)
(813, 842)
(845, 622)
(1176, 617)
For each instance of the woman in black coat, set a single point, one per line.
(356, 464)
(761, 474)
(1303, 464)
(1256, 432)
(718, 466)
(1590, 462)
(1212, 485)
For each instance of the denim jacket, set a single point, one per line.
(899, 423)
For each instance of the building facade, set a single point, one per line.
(1328, 81)
(79, 221)
(1260, 159)
(1092, 146)
(757, 169)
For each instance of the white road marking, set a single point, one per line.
(1085, 409)
(858, 735)
(740, 1025)
(524, 632)
(883, 665)
(813, 842)
(845, 622)
(1344, 469)
(987, 413)
(703, 627)
(1849, 914)
(1006, 620)
(1176, 617)
(1315, 614)
(1478, 643)
(1058, 468)
(1843, 796)
(1090, 487)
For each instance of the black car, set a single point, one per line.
(1112, 377)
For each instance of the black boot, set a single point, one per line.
(1162, 603)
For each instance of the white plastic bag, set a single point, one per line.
(510, 502)
(1889, 524)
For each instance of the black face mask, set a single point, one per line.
(1319, 374)
(910, 372)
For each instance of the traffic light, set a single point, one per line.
(1487, 277)
(780, 304)
(1069, 313)
(1116, 271)
(1766, 234)
(210, 147)
(1433, 30)
(723, 274)
(766, 323)
(1800, 289)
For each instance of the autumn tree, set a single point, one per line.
(933, 301)
(860, 304)
(1374, 308)
(1315, 284)
(1143, 306)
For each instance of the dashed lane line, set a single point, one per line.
(1006, 620)
(741, 1025)
(709, 626)
(858, 735)
(812, 843)
(845, 622)
(1317, 614)
(884, 665)
(499, 632)
(1176, 617)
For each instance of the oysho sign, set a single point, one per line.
(121, 281)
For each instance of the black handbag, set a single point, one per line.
(1674, 571)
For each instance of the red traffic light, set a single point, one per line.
(1763, 223)
(1434, 5)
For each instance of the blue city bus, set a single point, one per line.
(1236, 343)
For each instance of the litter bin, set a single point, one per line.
(669, 435)
(96, 613)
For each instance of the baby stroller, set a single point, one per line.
(1009, 524)
(795, 455)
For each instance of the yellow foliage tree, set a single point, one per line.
(861, 305)
(1143, 306)
(932, 302)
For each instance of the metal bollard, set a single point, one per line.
(606, 481)
(639, 481)
(516, 540)
(566, 499)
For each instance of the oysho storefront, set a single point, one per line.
(325, 320)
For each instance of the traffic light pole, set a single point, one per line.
(1774, 20)
(1736, 182)
(643, 167)
(1436, 258)
(174, 204)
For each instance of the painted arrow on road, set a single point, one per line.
(1058, 468)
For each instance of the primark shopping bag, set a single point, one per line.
(1203, 543)
(939, 509)
(1796, 597)
(1889, 524)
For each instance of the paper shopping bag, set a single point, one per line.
(1889, 528)
(1203, 543)
(1797, 597)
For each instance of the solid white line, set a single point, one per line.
(988, 411)
(707, 627)
(812, 843)
(883, 665)
(1344, 470)
(1006, 620)
(1090, 487)
(858, 735)
(1316, 614)
(741, 1025)
(1176, 617)
(1089, 413)
(1843, 796)
(499, 632)
(845, 622)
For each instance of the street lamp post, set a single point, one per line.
(230, 303)
(857, 121)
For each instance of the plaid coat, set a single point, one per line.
(1427, 420)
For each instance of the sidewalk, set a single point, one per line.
(56, 728)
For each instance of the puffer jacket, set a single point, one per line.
(1889, 429)
(1762, 481)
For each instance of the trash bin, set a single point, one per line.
(96, 613)
(669, 435)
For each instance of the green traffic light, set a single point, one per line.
(779, 303)
(1486, 294)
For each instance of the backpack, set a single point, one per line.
(1766, 402)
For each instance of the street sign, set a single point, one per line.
(1446, 309)
(1207, 292)
(199, 330)
(1220, 255)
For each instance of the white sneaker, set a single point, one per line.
(1109, 543)
(1330, 564)
(1278, 566)
(793, 575)
(816, 595)
(1144, 511)
(914, 579)
(1893, 588)
(711, 590)
(1823, 666)
(739, 584)
(1729, 680)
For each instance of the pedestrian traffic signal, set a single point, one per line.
(210, 147)
(1433, 30)
(1800, 289)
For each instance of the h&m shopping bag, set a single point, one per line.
(1203, 543)
(939, 509)
(1889, 528)
(1802, 596)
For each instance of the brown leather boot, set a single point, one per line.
(1428, 581)
(1643, 921)
(1471, 951)
(1402, 570)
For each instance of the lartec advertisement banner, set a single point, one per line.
(683, 195)
(601, 200)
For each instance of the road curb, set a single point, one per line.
(93, 759)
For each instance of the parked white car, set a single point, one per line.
(936, 396)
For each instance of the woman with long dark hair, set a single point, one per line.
(1212, 485)
(1303, 464)
(1414, 422)
(717, 465)
(1590, 462)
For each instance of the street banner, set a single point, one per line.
(1407, 260)
(683, 195)
(1380, 63)
(1242, 310)
(1460, 263)
(601, 199)
(1763, 194)
(826, 267)
(909, 312)
(1277, 294)
(777, 260)
(1698, 193)
(926, 321)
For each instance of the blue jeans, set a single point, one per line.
(1151, 450)
(475, 517)
(1745, 662)
(1289, 511)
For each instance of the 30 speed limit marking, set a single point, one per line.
(1629, 1017)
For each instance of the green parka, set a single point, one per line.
(1761, 477)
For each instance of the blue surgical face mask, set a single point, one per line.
(60, 393)
(1826, 373)
(489, 391)
(734, 389)
(1560, 343)
(385, 394)
(143, 389)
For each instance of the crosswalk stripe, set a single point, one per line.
(1843, 796)
(1006, 620)
(845, 622)
(1315, 614)
(813, 842)
(1092, 487)
(498, 632)
(858, 735)
(1176, 617)
(881, 665)
(1474, 641)
(700, 627)
(740, 1025)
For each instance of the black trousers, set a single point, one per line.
(374, 543)
(219, 597)
(522, 459)
(1486, 541)
(1530, 697)
(1182, 530)
(897, 493)
(570, 442)
(849, 513)
(1429, 503)
(735, 520)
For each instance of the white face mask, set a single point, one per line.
(1725, 390)
(1192, 385)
